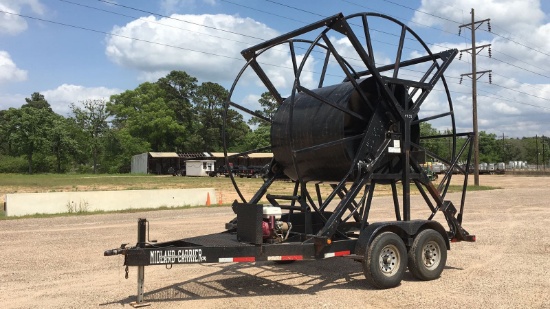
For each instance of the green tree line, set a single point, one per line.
(492, 148)
(175, 114)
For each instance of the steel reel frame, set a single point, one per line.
(365, 171)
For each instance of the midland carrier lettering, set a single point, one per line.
(176, 256)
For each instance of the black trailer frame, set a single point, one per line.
(387, 154)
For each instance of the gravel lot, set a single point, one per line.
(59, 262)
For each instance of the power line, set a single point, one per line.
(398, 17)
(235, 58)
(492, 96)
(381, 31)
(456, 22)
(295, 8)
(181, 20)
(116, 35)
(522, 92)
(151, 42)
(514, 101)
(237, 33)
(154, 22)
(373, 29)
(430, 14)
(495, 96)
(496, 59)
(266, 12)
(233, 32)
(516, 66)
(517, 59)
(313, 13)
(534, 87)
(521, 44)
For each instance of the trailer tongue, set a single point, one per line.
(363, 132)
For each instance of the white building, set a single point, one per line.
(199, 167)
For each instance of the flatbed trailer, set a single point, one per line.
(355, 136)
(228, 247)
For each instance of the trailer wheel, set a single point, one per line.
(384, 264)
(428, 255)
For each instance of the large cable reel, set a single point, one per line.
(353, 133)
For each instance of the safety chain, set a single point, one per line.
(126, 272)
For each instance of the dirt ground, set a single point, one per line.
(59, 262)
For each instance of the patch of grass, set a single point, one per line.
(17, 183)
(97, 212)
(480, 188)
(458, 188)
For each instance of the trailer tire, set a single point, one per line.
(427, 255)
(385, 261)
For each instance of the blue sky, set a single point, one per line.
(62, 48)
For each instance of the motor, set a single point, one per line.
(274, 230)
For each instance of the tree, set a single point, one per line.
(259, 138)
(179, 89)
(92, 119)
(269, 107)
(488, 147)
(7, 127)
(29, 127)
(147, 116)
(438, 146)
(31, 135)
(178, 92)
(120, 146)
(209, 100)
(511, 149)
(174, 114)
(37, 101)
(63, 140)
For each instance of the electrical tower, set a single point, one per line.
(473, 26)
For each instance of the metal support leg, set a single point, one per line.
(140, 280)
(142, 229)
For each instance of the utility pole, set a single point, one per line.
(474, 76)
(543, 158)
(503, 157)
(537, 149)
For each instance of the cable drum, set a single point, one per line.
(315, 123)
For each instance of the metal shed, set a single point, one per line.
(154, 162)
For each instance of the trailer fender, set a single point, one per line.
(407, 230)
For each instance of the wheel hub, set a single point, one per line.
(389, 260)
(431, 255)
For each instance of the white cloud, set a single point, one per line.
(516, 104)
(511, 15)
(61, 97)
(195, 47)
(9, 72)
(251, 101)
(12, 24)
(519, 20)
